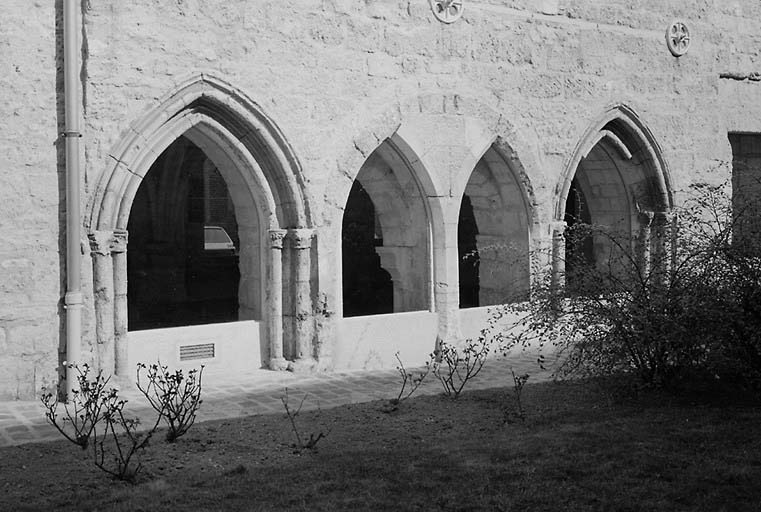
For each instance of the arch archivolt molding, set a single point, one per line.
(623, 136)
(440, 138)
(266, 185)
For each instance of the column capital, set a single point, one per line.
(105, 243)
(301, 238)
(100, 242)
(645, 217)
(557, 227)
(663, 218)
(119, 240)
(276, 238)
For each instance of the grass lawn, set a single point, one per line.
(580, 447)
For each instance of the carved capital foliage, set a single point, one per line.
(105, 243)
(301, 238)
(119, 241)
(100, 242)
(276, 238)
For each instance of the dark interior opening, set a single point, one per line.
(467, 250)
(367, 287)
(579, 243)
(746, 192)
(182, 265)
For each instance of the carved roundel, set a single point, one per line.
(678, 38)
(446, 11)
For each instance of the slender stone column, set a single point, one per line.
(557, 231)
(119, 256)
(301, 245)
(446, 290)
(274, 303)
(103, 288)
(663, 230)
(644, 241)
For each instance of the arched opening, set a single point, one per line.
(617, 187)
(208, 137)
(493, 236)
(598, 197)
(385, 242)
(184, 243)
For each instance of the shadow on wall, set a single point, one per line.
(367, 287)
(60, 146)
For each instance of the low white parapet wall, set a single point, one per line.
(224, 347)
(370, 342)
(473, 320)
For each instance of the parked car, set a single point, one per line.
(215, 238)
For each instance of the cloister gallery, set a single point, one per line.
(315, 185)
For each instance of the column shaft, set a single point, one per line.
(644, 240)
(662, 246)
(301, 245)
(119, 255)
(103, 284)
(274, 303)
(557, 230)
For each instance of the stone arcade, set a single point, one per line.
(383, 168)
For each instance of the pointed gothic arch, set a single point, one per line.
(402, 227)
(616, 177)
(494, 230)
(266, 186)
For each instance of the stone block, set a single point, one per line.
(27, 339)
(382, 65)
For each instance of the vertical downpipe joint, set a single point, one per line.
(73, 298)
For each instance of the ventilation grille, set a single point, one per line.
(203, 351)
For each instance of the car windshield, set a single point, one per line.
(216, 235)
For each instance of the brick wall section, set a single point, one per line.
(325, 71)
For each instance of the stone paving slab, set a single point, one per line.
(226, 396)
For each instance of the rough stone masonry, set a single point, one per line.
(351, 149)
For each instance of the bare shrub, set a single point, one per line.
(456, 366)
(85, 409)
(410, 382)
(517, 411)
(172, 394)
(301, 443)
(115, 451)
(692, 311)
(94, 418)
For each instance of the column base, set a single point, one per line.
(278, 364)
(324, 364)
(303, 365)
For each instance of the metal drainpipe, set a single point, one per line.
(71, 134)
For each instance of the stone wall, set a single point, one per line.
(339, 77)
(30, 198)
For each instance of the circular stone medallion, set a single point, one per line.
(446, 11)
(678, 38)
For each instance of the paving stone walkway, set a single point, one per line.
(226, 396)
